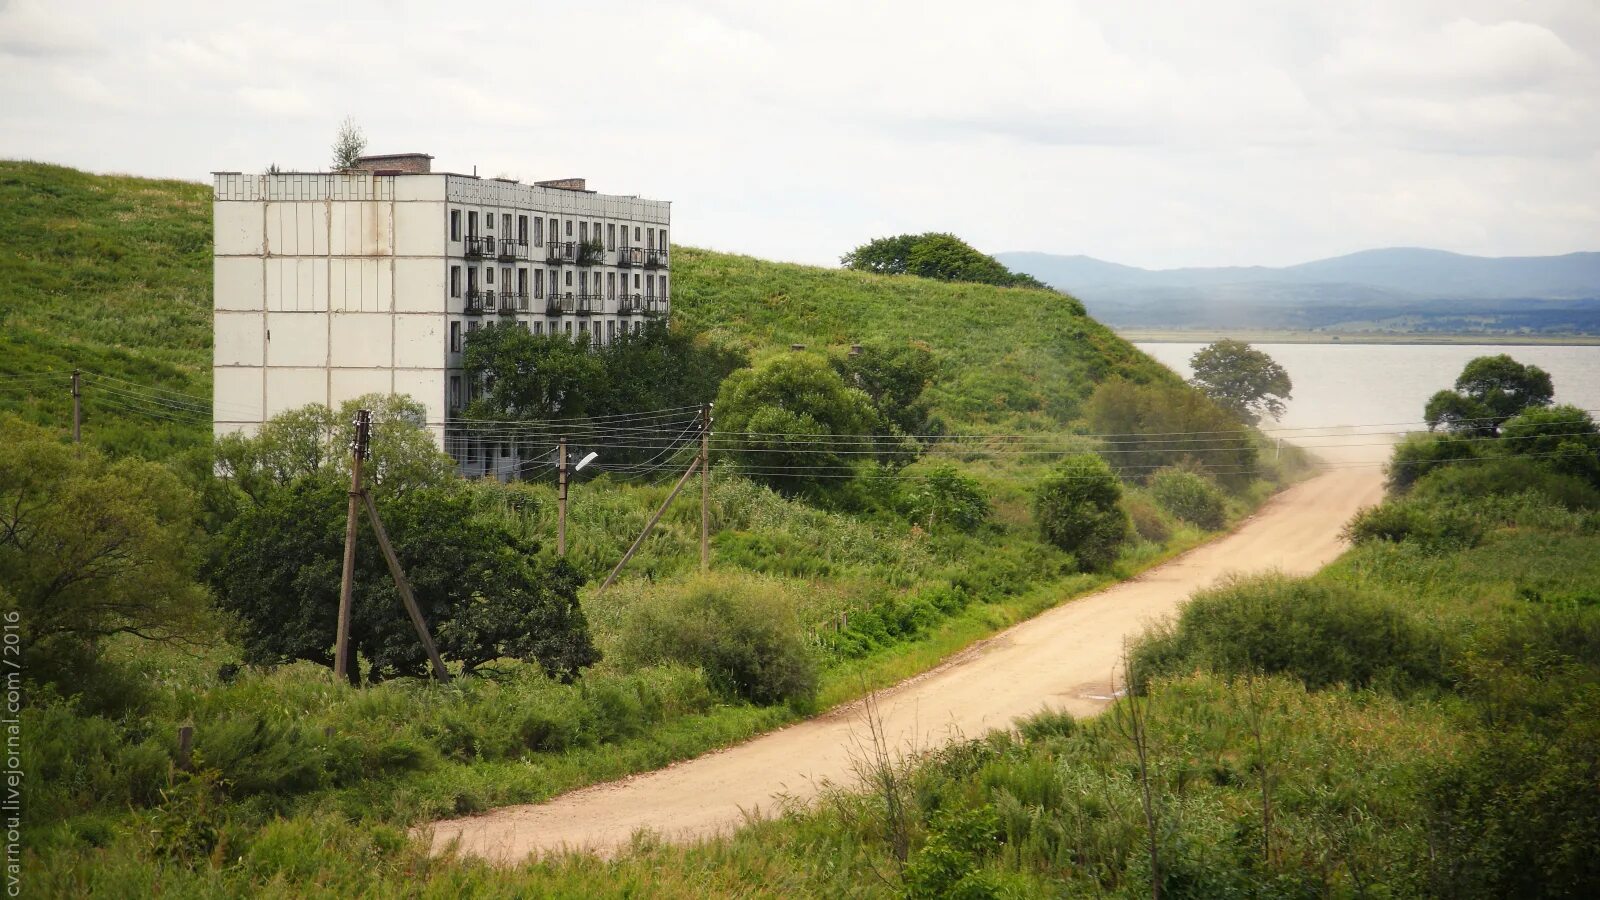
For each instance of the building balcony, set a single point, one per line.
(560, 304)
(480, 246)
(511, 249)
(561, 252)
(479, 302)
(513, 302)
(591, 254)
(589, 304)
(628, 257)
(629, 304)
(653, 305)
(655, 259)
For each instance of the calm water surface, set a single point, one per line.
(1350, 389)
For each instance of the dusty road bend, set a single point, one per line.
(1064, 659)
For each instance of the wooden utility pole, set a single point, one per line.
(404, 587)
(77, 408)
(705, 487)
(358, 453)
(561, 497)
(651, 525)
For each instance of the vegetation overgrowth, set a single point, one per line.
(819, 588)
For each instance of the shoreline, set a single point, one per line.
(1160, 336)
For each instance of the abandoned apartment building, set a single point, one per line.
(328, 286)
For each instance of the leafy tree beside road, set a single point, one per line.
(1490, 390)
(1242, 380)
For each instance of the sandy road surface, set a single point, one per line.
(1063, 658)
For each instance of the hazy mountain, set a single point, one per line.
(1394, 289)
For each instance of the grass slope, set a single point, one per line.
(112, 274)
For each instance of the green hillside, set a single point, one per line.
(112, 274)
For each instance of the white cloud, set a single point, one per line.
(32, 28)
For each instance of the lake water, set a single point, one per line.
(1350, 399)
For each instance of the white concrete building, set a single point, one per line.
(328, 286)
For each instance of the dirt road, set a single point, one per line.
(1064, 659)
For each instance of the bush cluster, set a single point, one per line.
(1078, 510)
(1191, 497)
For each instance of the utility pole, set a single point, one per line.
(77, 408)
(402, 585)
(649, 526)
(358, 453)
(705, 487)
(561, 497)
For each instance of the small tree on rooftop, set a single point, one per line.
(348, 145)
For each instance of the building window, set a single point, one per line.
(650, 237)
(636, 282)
(661, 286)
(567, 327)
(611, 236)
(583, 232)
(455, 281)
(538, 232)
(569, 228)
(583, 282)
(611, 285)
(522, 281)
(488, 275)
(455, 224)
(538, 283)
(522, 229)
(611, 330)
(472, 224)
(663, 244)
(636, 234)
(505, 451)
(569, 278)
(555, 230)
(471, 327)
(455, 337)
(488, 221)
(637, 326)
(505, 224)
(472, 280)
(455, 391)
(584, 326)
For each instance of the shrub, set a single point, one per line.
(1431, 526)
(1420, 454)
(941, 497)
(1190, 497)
(1078, 511)
(1505, 477)
(1322, 634)
(1563, 436)
(746, 639)
(1149, 522)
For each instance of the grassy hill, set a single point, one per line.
(112, 274)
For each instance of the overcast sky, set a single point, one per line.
(1149, 134)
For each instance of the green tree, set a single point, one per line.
(936, 255)
(1078, 509)
(485, 593)
(1562, 437)
(534, 376)
(896, 377)
(1490, 390)
(1153, 426)
(778, 418)
(1241, 379)
(944, 497)
(91, 548)
(348, 145)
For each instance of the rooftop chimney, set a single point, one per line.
(395, 164)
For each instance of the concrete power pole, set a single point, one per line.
(705, 487)
(358, 453)
(561, 497)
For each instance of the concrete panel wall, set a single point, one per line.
(426, 387)
(236, 394)
(236, 339)
(420, 229)
(419, 341)
(348, 384)
(236, 283)
(296, 284)
(421, 285)
(362, 339)
(294, 388)
(237, 229)
(297, 339)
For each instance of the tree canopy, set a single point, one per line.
(1241, 379)
(936, 255)
(1490, 390)
(1078, 508)
(92, 547)
(484, 589)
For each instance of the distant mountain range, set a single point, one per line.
(1398, 289)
